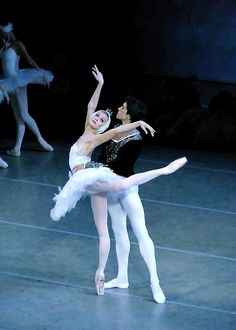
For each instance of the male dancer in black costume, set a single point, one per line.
(120, 155)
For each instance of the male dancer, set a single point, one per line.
(120, 155)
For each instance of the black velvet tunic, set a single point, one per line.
(120, 156)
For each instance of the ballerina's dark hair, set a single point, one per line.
(136, 108)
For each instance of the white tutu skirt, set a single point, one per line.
(24, 77)
(81, 184)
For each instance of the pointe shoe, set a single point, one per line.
(116, 283)
(13, 152)
(158, 294)
(46, 146)
(175, 165)
(54, 216)
(3, 164)
(99, 283)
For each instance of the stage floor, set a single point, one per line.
(47, 268)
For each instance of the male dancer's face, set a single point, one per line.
(122, 112)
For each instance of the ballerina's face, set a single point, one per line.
(98, 119)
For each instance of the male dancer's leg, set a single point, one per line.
(135, 212)
(132, 204)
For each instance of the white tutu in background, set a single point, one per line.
(24, 77)
(80, 184)
(13, 77)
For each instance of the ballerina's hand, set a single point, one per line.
(97, 74)
(146, 127)
(46, 82)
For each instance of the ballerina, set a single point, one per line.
(15, 82)
(92, 178)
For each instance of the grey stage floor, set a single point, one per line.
(47, 268)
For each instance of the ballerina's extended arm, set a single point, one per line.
(92, 105)
(102, 138)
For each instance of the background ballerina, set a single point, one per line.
(15, 82)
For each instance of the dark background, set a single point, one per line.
(177, 56)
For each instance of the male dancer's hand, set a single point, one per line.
(146, 127)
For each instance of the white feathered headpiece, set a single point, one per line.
(7, 28)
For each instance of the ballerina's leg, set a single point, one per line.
(141, 178)
(99, 208)
(22, 108)
(20, 127)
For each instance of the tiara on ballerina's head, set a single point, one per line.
(6, 28)
(109, 111)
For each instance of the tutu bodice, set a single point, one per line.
(80, 184)
(10, 62)
(76, 157)
(13, 77)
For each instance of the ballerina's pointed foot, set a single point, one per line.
(54, 216)
(175, 165)
(158, 294)
(99, 283)
(46, 146)
(116, 283)
(13, 152)
(3, 164)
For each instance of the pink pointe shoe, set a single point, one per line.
(3, 164)
(158, 294)
(99, 283)
(13, 152)
(175, 165)
(46, 146)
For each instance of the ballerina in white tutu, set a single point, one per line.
(91, 178)
(15, 82)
